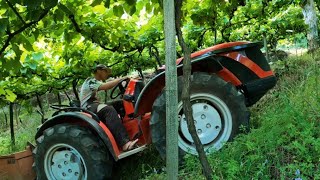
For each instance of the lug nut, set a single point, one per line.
(76, 173)
(205, 107)
(59, 166)
(217, 127)
(203, 116)
(208, 125)
(63, 174)
(66, 155)
(65, 163)
(199, 131)
(70, 171)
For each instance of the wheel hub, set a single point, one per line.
(207, 122)
(64, 164)
(213, 123)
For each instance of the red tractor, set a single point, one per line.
(226, 79)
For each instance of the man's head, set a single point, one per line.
(101, 72)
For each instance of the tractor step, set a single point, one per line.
(133, 151)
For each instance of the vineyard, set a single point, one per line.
(49, 47)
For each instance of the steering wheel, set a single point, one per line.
(122, 87)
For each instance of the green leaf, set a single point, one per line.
(107, 3)
(99, 9)
(132, 10)
(140, 5)
(34, 14)
(118, 11)
(32, 66)
(58, 15)
(148, 7)
(23, 70)
(16, 50)
(37, 56)
(26, 44)
(36, 34)
(131, 2)
(10, 96)
(95, 2)
(64, 9)
(32, 4)
(3, 24)
(50, 3)
(2, 91)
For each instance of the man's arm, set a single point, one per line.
(110, 84)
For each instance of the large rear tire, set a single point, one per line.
(67, 151)
(218, 108)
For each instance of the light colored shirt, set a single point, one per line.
(89, 90)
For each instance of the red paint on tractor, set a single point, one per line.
(132, 127)
(213, 48)
(145, 128)
(128, 105)
(228, 76)
(150, 96)
(248, 63)
(111, 138)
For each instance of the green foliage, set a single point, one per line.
(46, 45)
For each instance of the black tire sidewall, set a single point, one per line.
(200, 83)
(94, 153)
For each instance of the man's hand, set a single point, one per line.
(110, 84)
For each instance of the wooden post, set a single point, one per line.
(171, 91)
(59, 98)
(16, 114)
(74, 88)
(215, 36)
(11, 125)
(266, 46)
(5, 117)
(41, 108)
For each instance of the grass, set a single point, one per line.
(24, 132)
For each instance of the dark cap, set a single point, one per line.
(101, 67)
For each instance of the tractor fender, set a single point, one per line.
(205, 63)
(78, 117)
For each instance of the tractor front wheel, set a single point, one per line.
(219, 111)
(67, 151)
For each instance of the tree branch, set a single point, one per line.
(187, 109)
(27, 25)
(15, 11)
(92, 37)
(155, 54)
(201, 37)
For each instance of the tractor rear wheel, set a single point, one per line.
(219, 112)
(67, 151)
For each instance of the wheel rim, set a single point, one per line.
(63, 162)
(213, 122)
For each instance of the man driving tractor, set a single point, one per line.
(89, 100)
